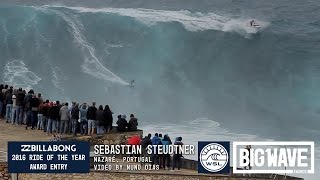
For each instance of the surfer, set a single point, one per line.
(253, 23)
(132, 83)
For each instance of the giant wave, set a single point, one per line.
(186, 65)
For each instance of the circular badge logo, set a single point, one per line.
(214, 157)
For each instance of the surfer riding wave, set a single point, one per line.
(254, 24)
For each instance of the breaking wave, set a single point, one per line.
(192, 21)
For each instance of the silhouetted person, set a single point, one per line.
(53, 117)
(122, 123)
(108, 115)
(146, 141)
(101, 120)
(27, 107)
(9, 105)
(91, 116)
(1, 99)
(34, 104)
(166, 157)
(19, 106)
(74, 118)
(133, 123)
(177, 155)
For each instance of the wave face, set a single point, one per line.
(186, 65)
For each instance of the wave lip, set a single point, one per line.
(191, 21)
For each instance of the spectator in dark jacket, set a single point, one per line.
(145, 142)
(9, 104)
(19, 106)
(74, 118)
(34, 105)
(5, 92)
(108, 115)
(59, 118)
(133, 123)
(53, 118)
(27, 107)
(101, 120)
(177, 155)
(45, 112)
(40, 115)
(122, 123)
(91, 116)
(1, 99)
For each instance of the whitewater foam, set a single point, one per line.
(18, 75)
(57, 78)
(115, 45)
(190, 132)
(191, 21)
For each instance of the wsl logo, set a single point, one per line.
(213, 157)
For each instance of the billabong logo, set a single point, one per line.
(213, 157)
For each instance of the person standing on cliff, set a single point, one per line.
(4, 107)
(134, 140)
(108, 115)
(45, 112)
(59, 118)
(53, 118)
(65, 117)
(27, 102)
(156, 141)
(145, 142)
(83, 119)
(166, 157)
(19, 106)
(70, 122)
(74, 118)
(1, 99)
(40, 116)
(91, 116)
(101, 120)
(9, 103)
(177, 155)
(122, 123)
(14, 104)
(40, 113)
(133, 123)
(34, 104)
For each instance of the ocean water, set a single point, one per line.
(201, 71)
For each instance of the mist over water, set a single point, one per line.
(203, 72)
